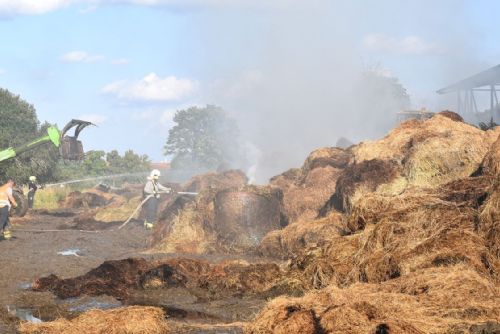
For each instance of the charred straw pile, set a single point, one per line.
(407, 243)
(227, 216)
(399, 235)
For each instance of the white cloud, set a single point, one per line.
(94, 118)
(39, 7)
(410, 45)
(152, 88)
(30, 7)
(80, 57)
(2, 71)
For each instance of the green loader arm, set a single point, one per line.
(53, 135)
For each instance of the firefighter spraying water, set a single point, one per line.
(152, 190)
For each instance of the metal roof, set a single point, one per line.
(486, 78)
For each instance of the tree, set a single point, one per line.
(130, 162)
(100, 163)
(379, 97)
(19, 125)
(202, 139)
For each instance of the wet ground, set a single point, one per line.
(65, 252)
(47, 243)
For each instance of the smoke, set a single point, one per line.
(301, 86)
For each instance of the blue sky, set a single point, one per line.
(129, 64)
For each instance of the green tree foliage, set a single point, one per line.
(19, 125)
(130, 162)
(100, 163)
(203, 139)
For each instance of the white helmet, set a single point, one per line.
(155, 174)
(32, 178)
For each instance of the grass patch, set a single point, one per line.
(49, 198)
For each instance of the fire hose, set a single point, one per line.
(121, 226)
(146, 199)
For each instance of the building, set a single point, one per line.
(479, 86)
(161, 166)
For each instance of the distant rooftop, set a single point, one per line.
(470, 89)
(490, 77)
(160, 165)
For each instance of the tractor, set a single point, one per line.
(70, 148)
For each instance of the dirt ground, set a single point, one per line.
(35, 255)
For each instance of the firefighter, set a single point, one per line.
(153, 188)
(6, 201)
(32, 188)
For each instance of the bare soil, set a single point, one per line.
(32, 256)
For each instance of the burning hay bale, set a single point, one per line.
(438, 300)
(229, 220)
(227, 179)
(308, 188)
(242, 216)
(127, 320)
(186, 223)
(183, 226)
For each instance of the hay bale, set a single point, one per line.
(89, 199)
(394, 236)
(286, 179)
(438, 160)
(126, 320)
(326, 156)
(490, 220)
(304, 199)
(240, 277)
(433, 151)
(117, 211)
(415, 231)
(491, 163)
(359, 177)
(222, 180)
(428, 301)
(305, 190)
(301, 236)
(451, 115)
(185, 226)
(227, 220)
(243, 216)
